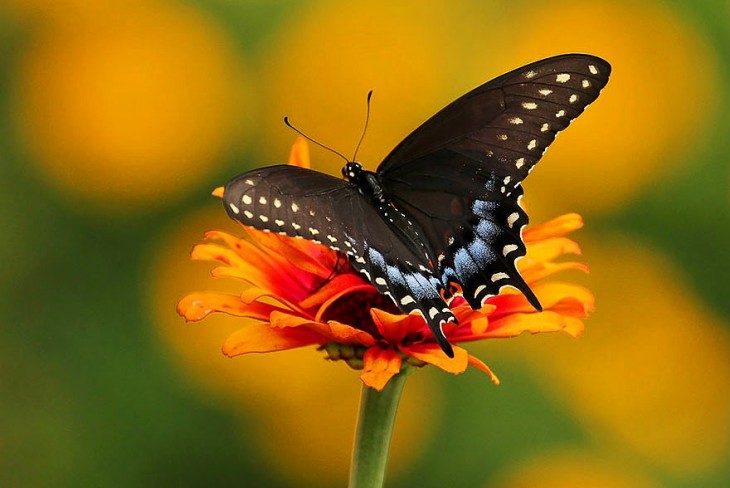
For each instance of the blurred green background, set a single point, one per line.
(117, 119)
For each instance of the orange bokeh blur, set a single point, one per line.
(130, 107)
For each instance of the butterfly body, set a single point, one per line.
(441, 215)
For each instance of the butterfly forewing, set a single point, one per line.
(507, 123)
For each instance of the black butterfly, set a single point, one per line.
(441, 215)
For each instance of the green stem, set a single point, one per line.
(374, 431)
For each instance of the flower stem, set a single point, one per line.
(374, 431)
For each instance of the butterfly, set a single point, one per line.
(441, 216)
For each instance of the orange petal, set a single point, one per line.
(550, 249)
(196, 306)
(431, 353)
(479, 364)
(394, 328)
(541, 271)
(557, 227)
(299, 155)
(218, 192)
(565, 298)
(379, 366)
(263, 338)
(548, 321)
(331, 331)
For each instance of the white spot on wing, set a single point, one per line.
(264, 218)
(545, 127)
(516, 121)
(561, 113)
(592, 69)
(406, 300)
(530, 74)
(433, 312)
(573, 98)
(586, 83)
(294, 207)
(277, 203)
(562, 78)
(234, 208)
(499, 276)
(480, 289)
(508, 249)
(279, 222)
(313, 231)
(249, 182)
(248, 214)
(532, 145)
(296, 226)
(520, 162)
(246, 199)
(380, 281)
(529, 105)
(512, 218)
(502, 137)
(545, 92)
(262, 200)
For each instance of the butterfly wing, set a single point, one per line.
(304, 203)
(459, 174)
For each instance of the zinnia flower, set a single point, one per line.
(292, 289)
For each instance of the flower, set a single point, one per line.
(300, 301)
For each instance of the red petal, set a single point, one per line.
(306, 255)
(379, 366)
(335, 289)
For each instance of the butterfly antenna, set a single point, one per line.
(367, 119)
(288, 124)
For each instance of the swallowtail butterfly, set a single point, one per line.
(441, 215)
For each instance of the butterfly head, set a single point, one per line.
(352, 171)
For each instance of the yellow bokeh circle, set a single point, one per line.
(650, 375)
(652, 117)
(132, 108)
(303, 408)
(572, 468)
(323, 63)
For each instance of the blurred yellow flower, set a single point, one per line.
(131, 108)
(643, 129)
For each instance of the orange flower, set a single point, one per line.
(300, 302)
